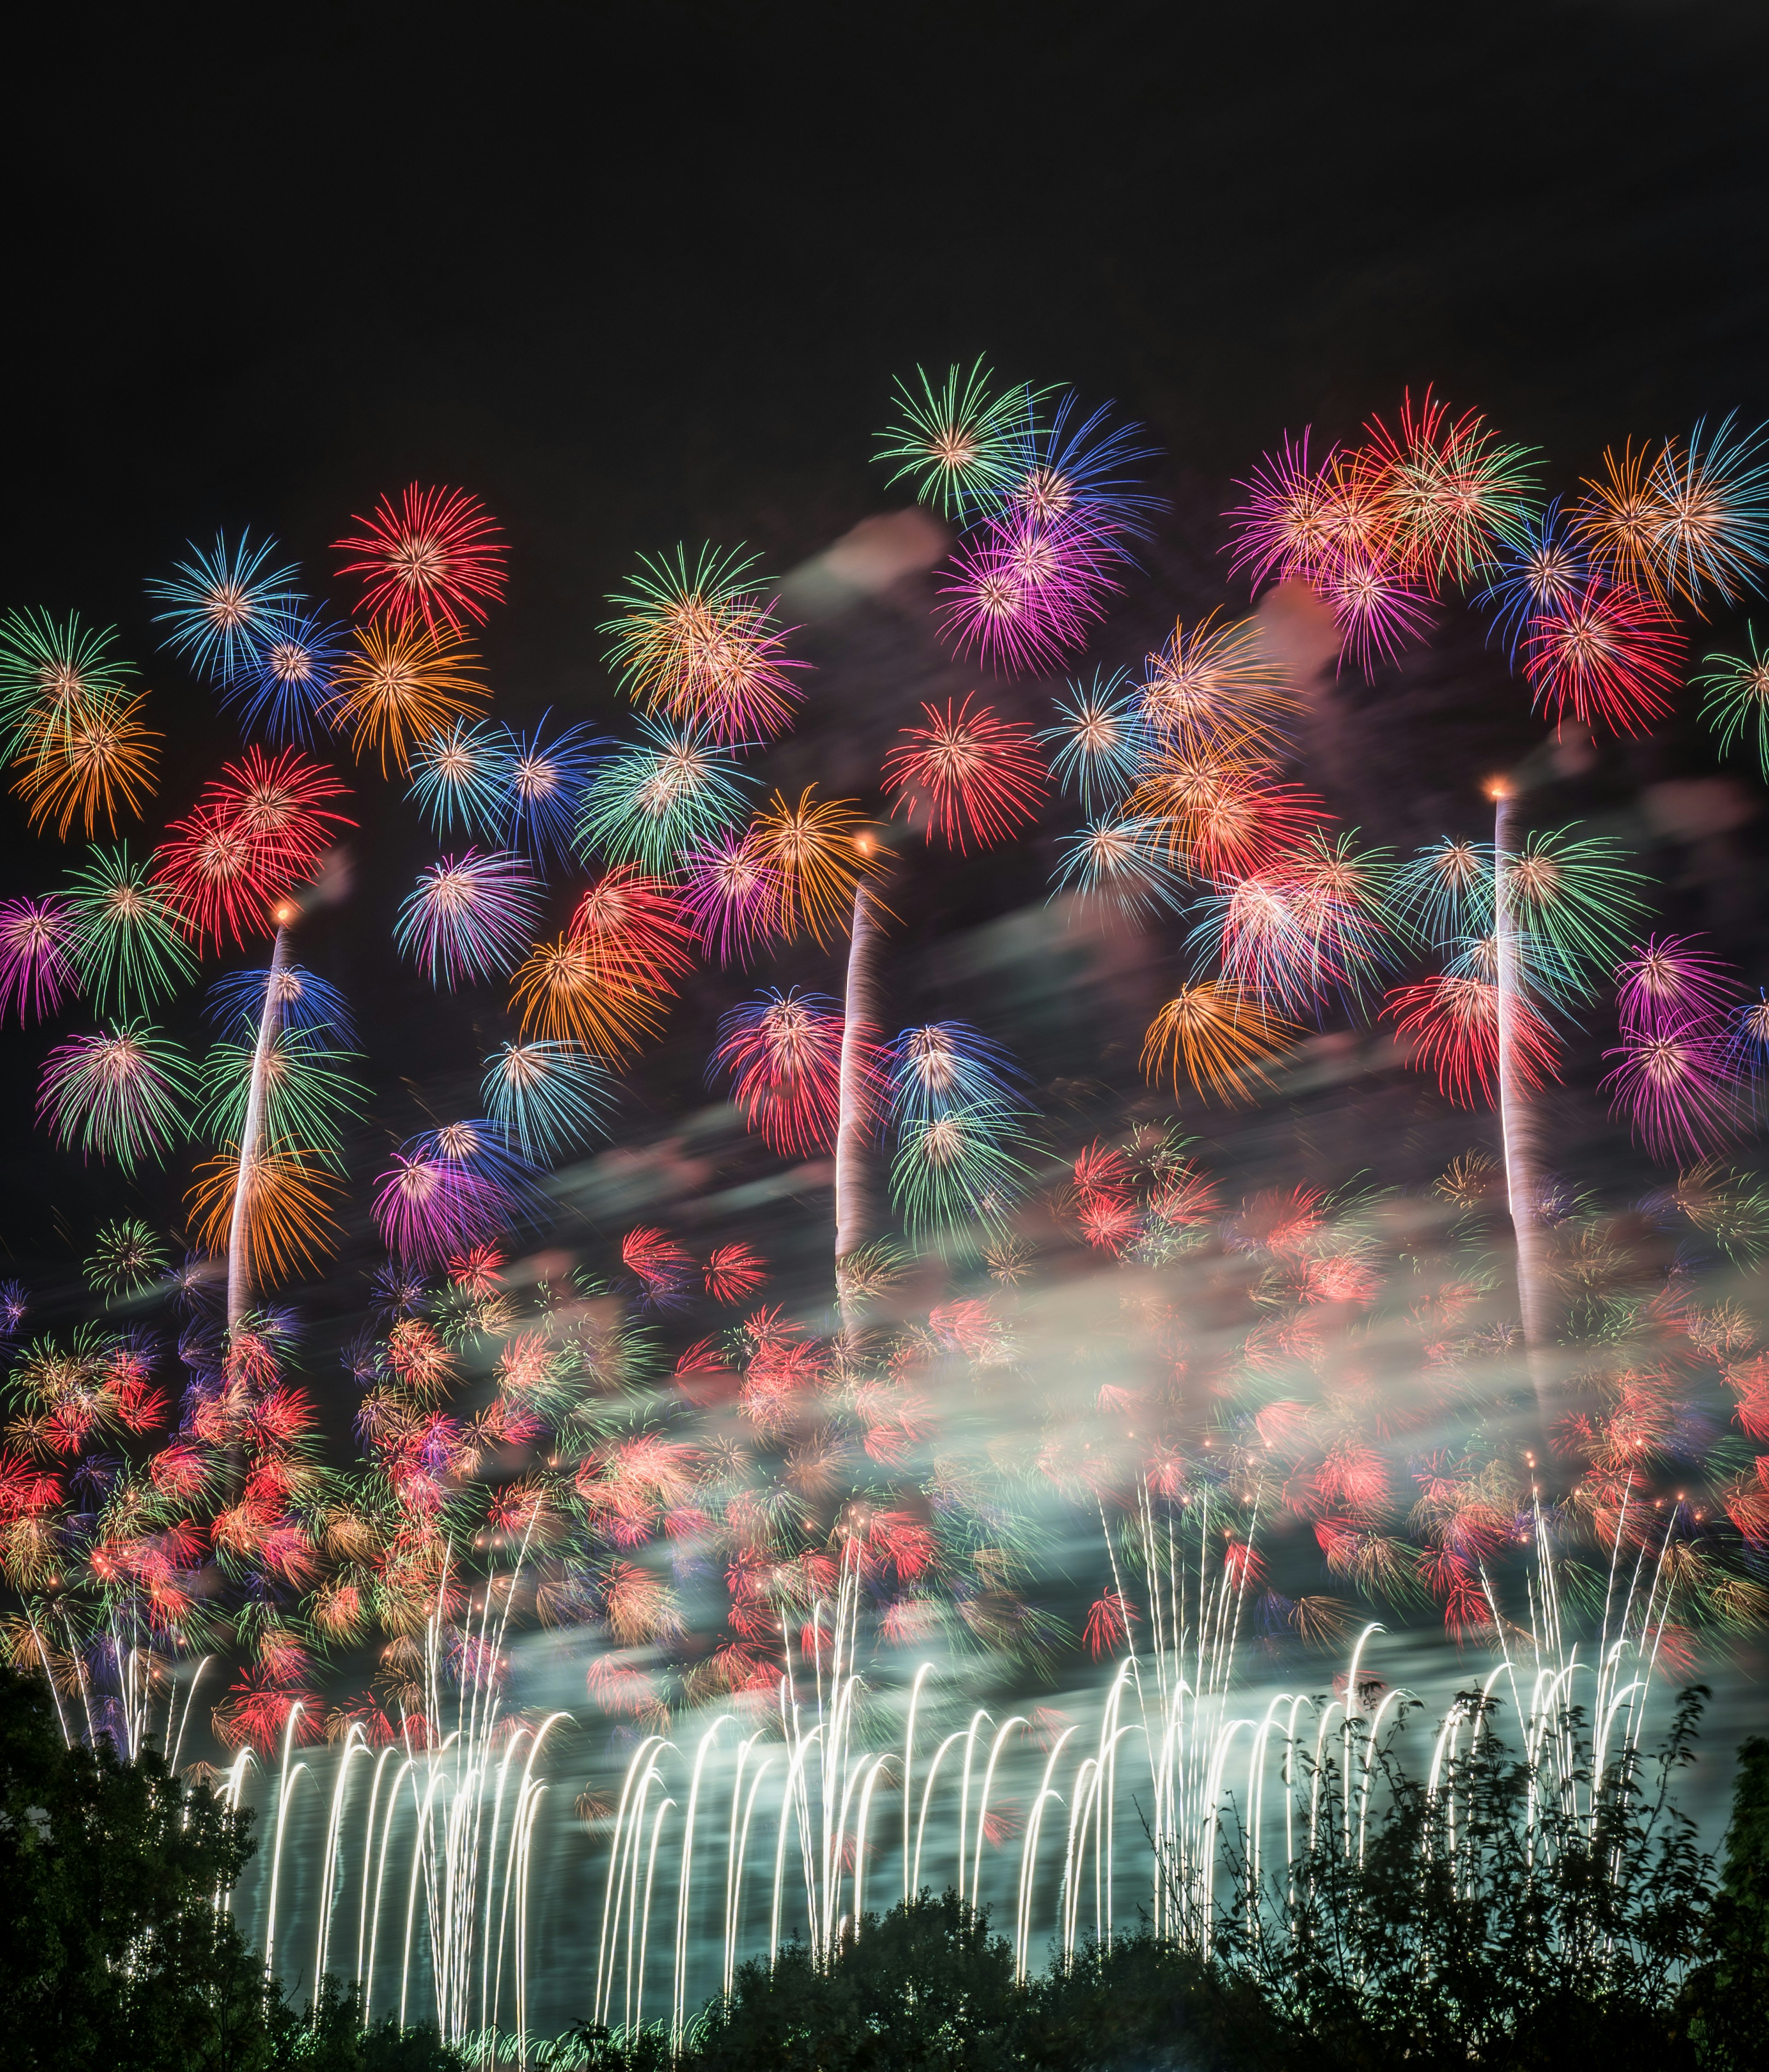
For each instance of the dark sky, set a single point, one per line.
(641, 274)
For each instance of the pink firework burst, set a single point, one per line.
(1022, 592)
(36, 964)
(1285, 528)
(731, 893)
(439, 558)
(783, 1052)
(1669, 984)
(1610, 655)
(1377, 605)
(968, 773)
(1675, 1084)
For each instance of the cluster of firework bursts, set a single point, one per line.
(657, 1456)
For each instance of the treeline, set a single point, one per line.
(1481, 1925)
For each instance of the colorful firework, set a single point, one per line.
(307, 1098)
(1223, 818)
(1444, 892)
(970, 775)
(123, 1095)
(544, 782)
(958, 1175)
(1621, 519)
(1100, 738)
(436, 560)
(1611, 656)
(783, 1052)
(732, 896)
(1713, 494)
(221, 604)
(93, 759)
(448, 1190)
(1451, 1023)
(126, 938)
(1675, 1086)
(50, 667)
(1668, 983)
(470, 916)
(1378, 606)
(656, 802)
(1573, 901)
(400, 682)
(1076, 475)
(1213, 689)
(1735, 700)
(547, 1098)
(287, 1226)
(961, 446)
(931, 1070)
(1543, 576)
(285, 683)
(1454, 491)
(1218, 1037)
(702, 647)
(1286, 527)
(126, 1256)
(1126, 862)
(1022, 591)
(38, 958)
(818, 851)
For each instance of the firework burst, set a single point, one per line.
(436, 559)
(470, 916)
(970, 775)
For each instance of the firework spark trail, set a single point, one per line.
(856, 1207)
(251, 1135)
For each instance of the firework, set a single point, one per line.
(1670, 984)
(1285, 528)
(1543, 575)
(438, 560)
(1022, 591)
(1127, 861)
(470, 916)
(126, 1256)
(600, 984)
(1444, 892)
(702, 647)
(221, 604)
(1713, 496)
(732, 895)
(1736, 701)
(1100, 739)
(655, 802)
(942, 1065)
(547, 1098)
(285, 1224)
(123, 1094)
(50, 668)
(783, 1052)
(1451, 1023)
(1213, 689)
(818, 852)
(1223, 818)
(968, 774)
(285, 682)
(1571, 901)
(961, 446)
(733, 1272)
(93, 758)
(307, 1098)
(1454, 491)
(958, 1169)
(1377, 606)
(125, 935)
(401, 681)
(1622, 519)
(448, 1190)
(38, 960)
(1076, 475)
(1610, 655)
(296, 998)
(545, 781)
(463, 773)
(1675, 1084)
(1219, 1036)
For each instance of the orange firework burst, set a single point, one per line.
(289, 1224)
(1216, 687)
(819, 852)
(1218, 1036)
(1622, 517)
(89, 757)
(602, 982)
(401, 682)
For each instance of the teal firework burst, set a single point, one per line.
(1444, 894)
(1100, 740)
(127, 942)
(1735, 698)
(655, 802)
(223, 604)
(1577, 901)
(963, 447)
(548, 1097)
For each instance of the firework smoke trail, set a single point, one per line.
(269, 1021)
(1516, 1127)
(855, 1202)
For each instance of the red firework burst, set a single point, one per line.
(1453, 1025)
(439, 558)
(969, 775)
(1612, 655)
